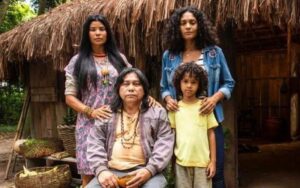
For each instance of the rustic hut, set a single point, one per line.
(258, 38)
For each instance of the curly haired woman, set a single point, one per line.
(190, 36)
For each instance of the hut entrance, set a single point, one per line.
(264, 101)
(267, 98)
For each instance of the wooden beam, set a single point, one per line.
(19, 130)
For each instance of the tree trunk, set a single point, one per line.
(3, 8)
(42, 6)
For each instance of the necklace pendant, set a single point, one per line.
(105, 82)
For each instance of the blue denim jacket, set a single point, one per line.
(219, 77)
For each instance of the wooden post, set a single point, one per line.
(294, 101)
(19, 130)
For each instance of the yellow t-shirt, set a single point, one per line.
(192, 145)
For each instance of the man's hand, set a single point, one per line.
(107, 179)
(141, 177)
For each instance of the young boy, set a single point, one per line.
(195, 148)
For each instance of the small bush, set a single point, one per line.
(11, 101)
(70, 117)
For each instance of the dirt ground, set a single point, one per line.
(6, 140)
(274, 166)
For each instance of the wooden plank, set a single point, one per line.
(42, 90)
(67, 159)
(44, 98)
(261, 83)
(19, 129)
(43, 120)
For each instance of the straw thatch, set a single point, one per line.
(138, 25)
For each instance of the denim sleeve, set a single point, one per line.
(164, 86)
(227, 82)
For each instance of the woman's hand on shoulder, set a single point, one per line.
(208, 105)
(153, 102)
(171, 104)
(104, 112)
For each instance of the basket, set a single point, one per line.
(46, 177)
(67, 135)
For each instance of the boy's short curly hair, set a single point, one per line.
(193, 70)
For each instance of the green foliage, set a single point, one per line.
(70, 117)
(7, 128)
(170, 175)
(11, 101)
(17, 12)
(34, 148)
(49, 4)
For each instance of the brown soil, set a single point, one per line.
(274, 166)
(6, 142)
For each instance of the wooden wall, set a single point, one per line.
(262, 92)
(47, 107)
(295, 90)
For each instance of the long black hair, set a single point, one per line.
(193, 70)
(85, 67)
(117, 102)
(206, 35)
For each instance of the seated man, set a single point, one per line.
(137, 139)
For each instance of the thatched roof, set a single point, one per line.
(138, 25)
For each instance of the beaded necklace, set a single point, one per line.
(124, 140)
(104, 69)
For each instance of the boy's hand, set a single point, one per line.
(211, 169)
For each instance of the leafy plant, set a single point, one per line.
(70, 117)
(16, 13)
(11, 100)
(170, 175)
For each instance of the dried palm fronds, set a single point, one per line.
(138, 25)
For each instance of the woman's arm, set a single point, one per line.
(225, 89)
(71, 91)
(75, 103)
(125, 60)
(171, 104)
(164, 85)
(226, 80)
